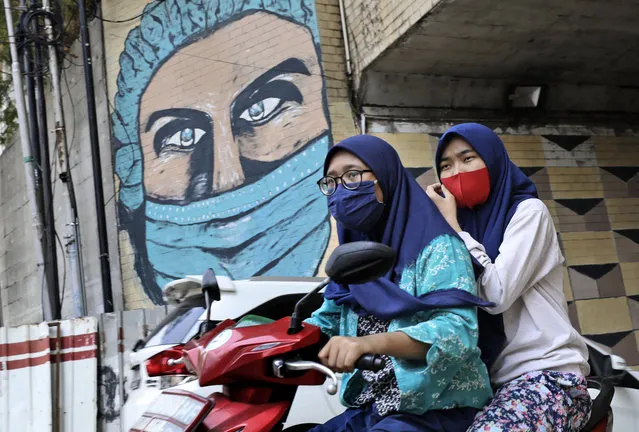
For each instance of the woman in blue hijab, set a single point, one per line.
(421, 316)
(539, 373)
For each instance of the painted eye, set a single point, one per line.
(261, 110)
(184, 139)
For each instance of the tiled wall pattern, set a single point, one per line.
(591, 186)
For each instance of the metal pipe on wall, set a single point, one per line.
(27, 53)
(34, 134)
(73, 246)
(107, 294)
(31, 109)
(24, 144)
(347, 50)
(50, 245)
(349, 67)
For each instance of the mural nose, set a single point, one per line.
(227, 168)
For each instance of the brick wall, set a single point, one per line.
(333, 60)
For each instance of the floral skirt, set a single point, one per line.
(537, 401)
(366, 419)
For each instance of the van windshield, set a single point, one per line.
(180, 325)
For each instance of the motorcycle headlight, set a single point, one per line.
(220, 339)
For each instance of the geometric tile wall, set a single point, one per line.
(591, 187)
(594, 190)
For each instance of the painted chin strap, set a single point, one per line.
(470, 189)
(275, 226)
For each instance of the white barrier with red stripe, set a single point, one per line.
(48, 376)
(25, 379)
(76, 350)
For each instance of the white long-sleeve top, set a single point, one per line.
(526, 284)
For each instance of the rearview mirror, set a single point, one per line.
(211, 291)
(351, 263)
(210, 286)
(359, 262)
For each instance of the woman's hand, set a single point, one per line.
(446, 204)
(342, 352)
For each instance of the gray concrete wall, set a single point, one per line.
(20, 289)
(419, 90)
(468, 55)
(19, 285)
(374, 25)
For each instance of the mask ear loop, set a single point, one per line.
(375, 182)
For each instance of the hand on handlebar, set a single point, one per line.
(343, 354)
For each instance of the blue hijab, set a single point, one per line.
(409, 223)
(508, 186)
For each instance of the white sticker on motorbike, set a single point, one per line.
(220, 339)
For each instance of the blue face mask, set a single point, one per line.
(357, 209)
(276, 226)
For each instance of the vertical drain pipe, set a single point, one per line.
(51, 256)
(105, 267)
(73, 245)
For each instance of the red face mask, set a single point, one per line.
(470, 189)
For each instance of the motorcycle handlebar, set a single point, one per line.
(371, 362)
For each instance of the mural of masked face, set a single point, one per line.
(232, 132)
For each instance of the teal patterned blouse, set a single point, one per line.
(452, 374)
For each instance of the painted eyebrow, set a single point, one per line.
(181, 113)
(292, 65)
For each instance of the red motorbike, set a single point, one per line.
(260, 362)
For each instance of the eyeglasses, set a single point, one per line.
(351, 180)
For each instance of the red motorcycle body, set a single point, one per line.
(240, 359)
